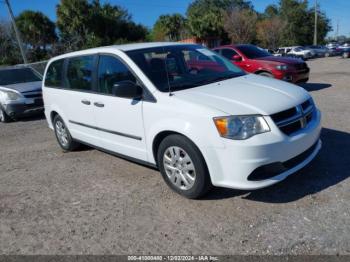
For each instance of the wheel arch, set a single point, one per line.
(159, 138)
(263, 71)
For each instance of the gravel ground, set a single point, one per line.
(89, 202)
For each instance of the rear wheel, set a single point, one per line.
(183, 167)
(63, 136)
(346, 55)
(4, 118)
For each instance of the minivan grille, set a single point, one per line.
(296, 118)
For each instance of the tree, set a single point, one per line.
(85, 24)
(271, 11)
(169, 27)
(38, 32)
(240, 25)
(270, 32)
(9, 49)
(205, 17)
(300, 22)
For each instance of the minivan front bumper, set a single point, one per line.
(264, 159)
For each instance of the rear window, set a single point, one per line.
(18, 76)
(54, 74)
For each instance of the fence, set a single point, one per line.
(39, 67)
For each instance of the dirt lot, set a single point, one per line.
(91, 202)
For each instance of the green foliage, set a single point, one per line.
(9, 50)
(85, 24)
(205, 17)
(300, 23)
(169, 27)
(38, 32)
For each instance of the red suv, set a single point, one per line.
(256, 60)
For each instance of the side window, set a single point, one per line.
(228, 53)
(110, 72)
(79, 73)
(54, 74)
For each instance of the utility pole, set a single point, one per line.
(315, 31)
(18, 36)
(337, 32)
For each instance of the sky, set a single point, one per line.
(147, 11)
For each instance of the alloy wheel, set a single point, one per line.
(179, 168)
(62, 134)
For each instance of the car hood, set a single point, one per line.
(25, 87)
(279, 59)
(245, 95)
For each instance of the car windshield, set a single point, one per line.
(179, 67)
(252, 51)
(18, 76)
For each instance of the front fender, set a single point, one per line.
(202, 134)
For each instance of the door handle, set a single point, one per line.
(99, 104)
(86, 102)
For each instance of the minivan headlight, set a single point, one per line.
(11, 95)
(241, 127)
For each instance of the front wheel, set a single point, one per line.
(63, 136)
(183, 167)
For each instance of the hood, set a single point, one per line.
(245, 95)
(281, 59)
(25, 87)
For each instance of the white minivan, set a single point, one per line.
(185, 110)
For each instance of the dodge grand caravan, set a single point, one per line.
(184, 109)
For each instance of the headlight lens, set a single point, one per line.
(282, 67)
(241, 127)
(10, 95)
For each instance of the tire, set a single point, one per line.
(4, 118)
(63, 135)
(327, 55)
(346, 55)
(184, 170)
(266, 74)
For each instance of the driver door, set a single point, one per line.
(119, 120)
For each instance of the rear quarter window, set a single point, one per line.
(54, 74)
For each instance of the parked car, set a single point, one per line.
(20, 93)
(332, 45)
(255, 60)
(333, 51)
(345, 52)
(183, 109)
(301, 52)
(320, 51)
(344, 46)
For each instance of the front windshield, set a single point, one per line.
(181, 67)
(252, 51)
(17, 76)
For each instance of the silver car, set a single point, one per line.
(20, 93)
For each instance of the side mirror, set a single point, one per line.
(127, 89)
(237, 58)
